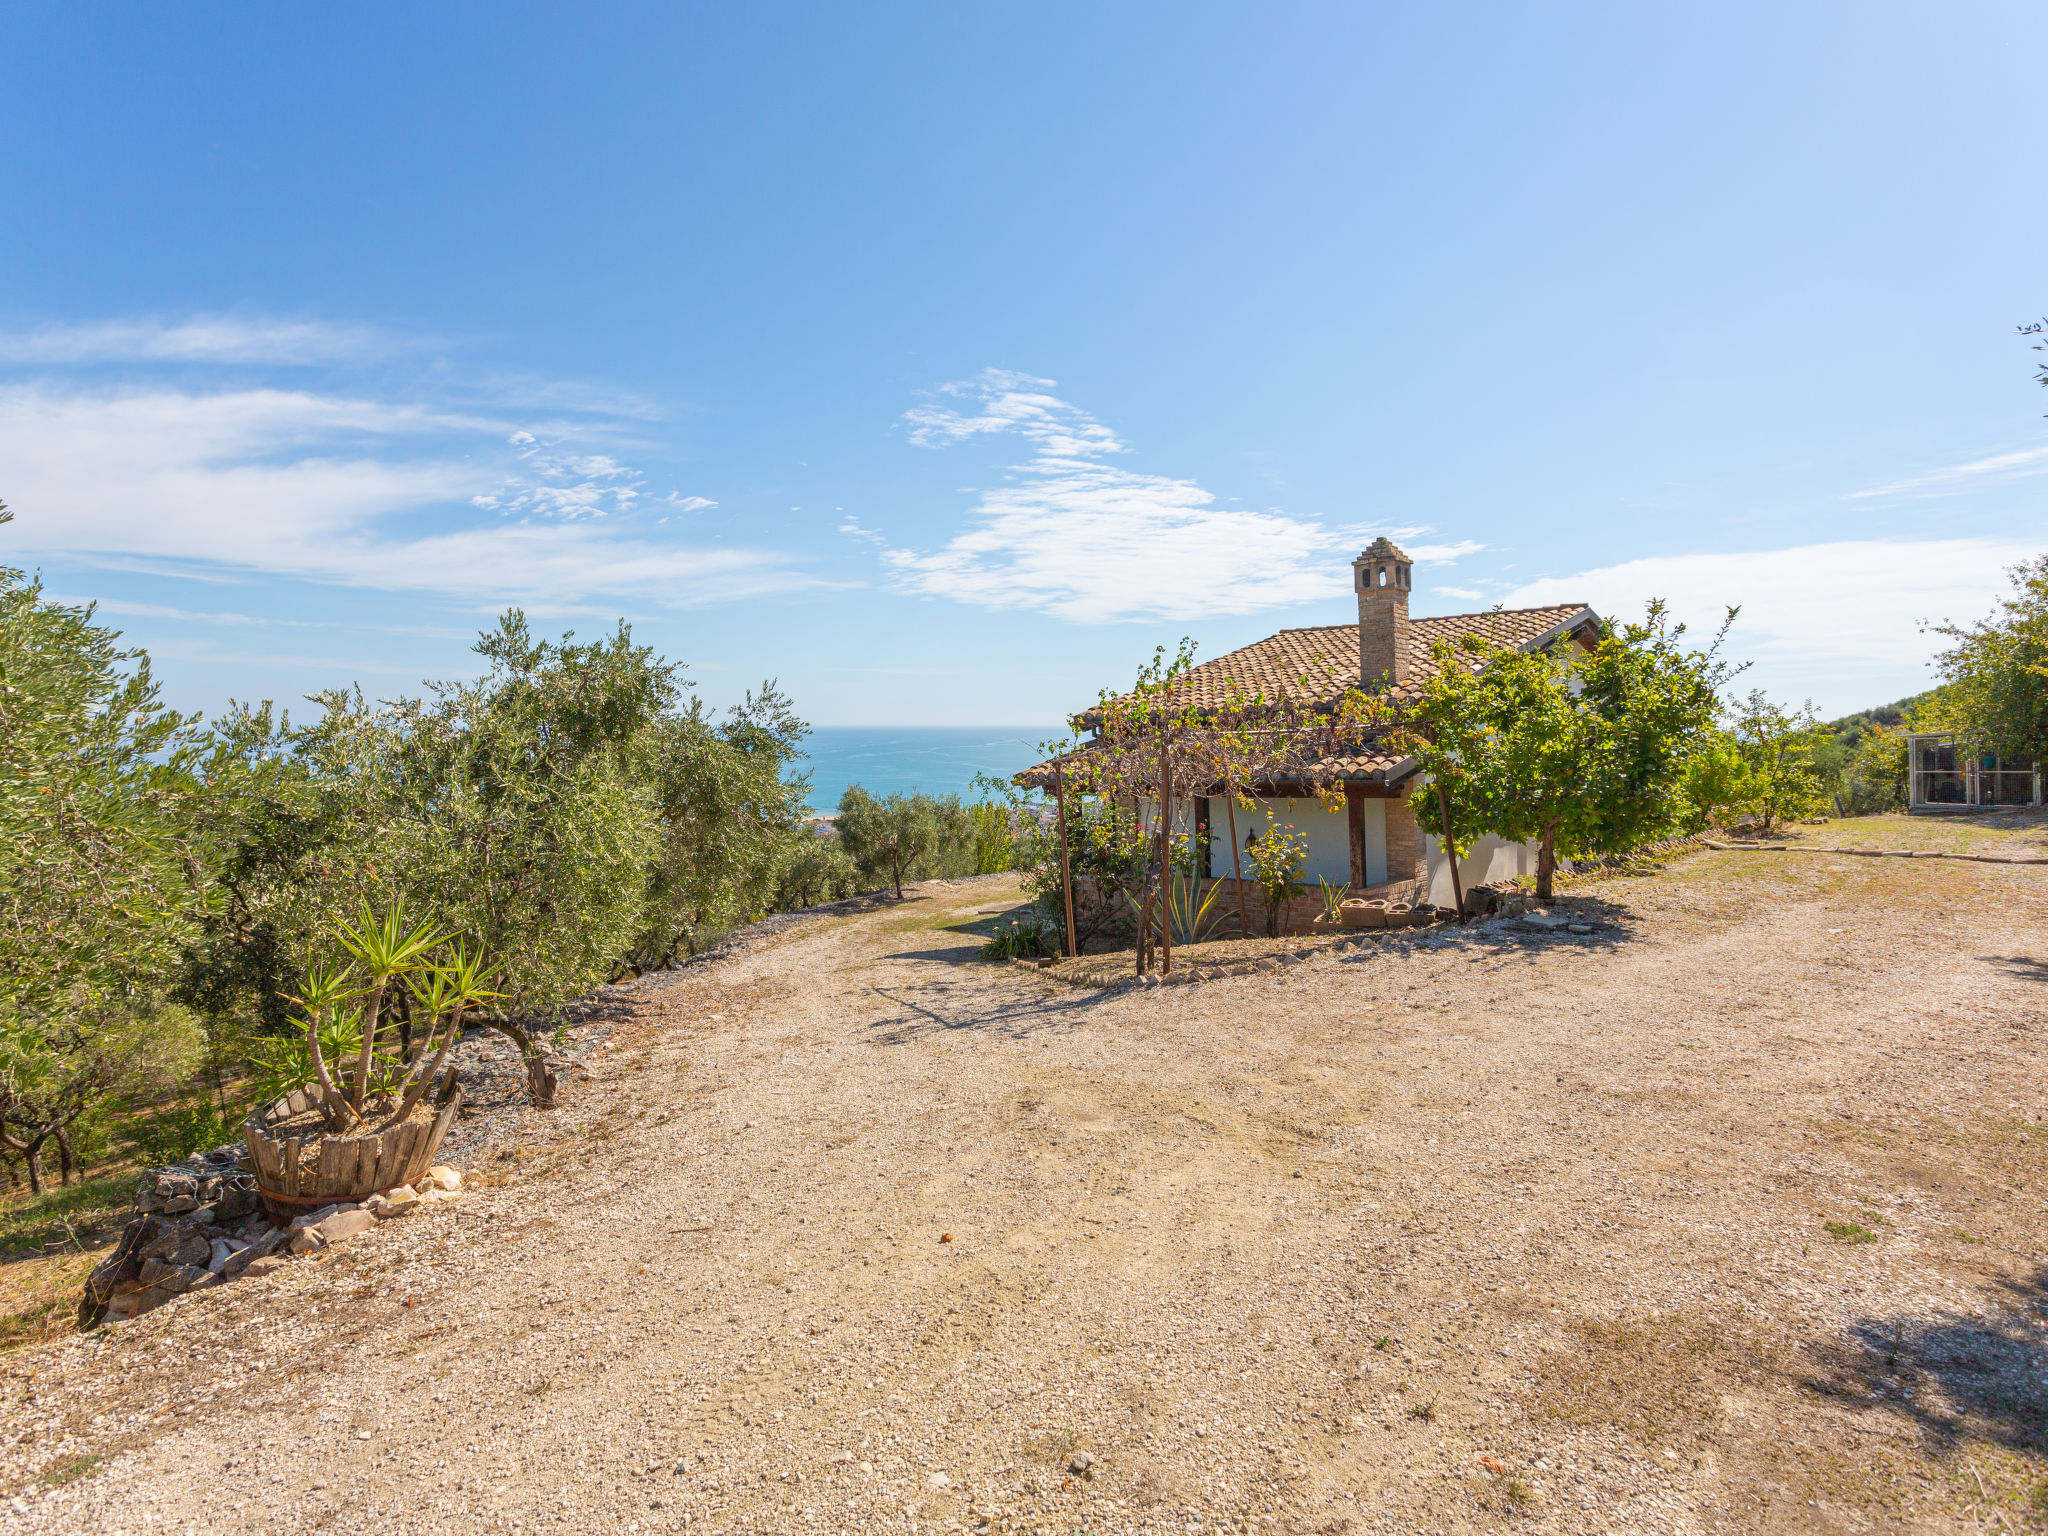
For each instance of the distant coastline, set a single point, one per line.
(896, 759)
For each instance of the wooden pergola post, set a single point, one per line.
(1165, 856)
(1059, 793)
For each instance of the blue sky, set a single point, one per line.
(940, 361)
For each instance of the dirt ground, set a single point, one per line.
(1727, 1217)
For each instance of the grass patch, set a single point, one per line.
(71, 1471)
(29, 1221)
(1849, 1232)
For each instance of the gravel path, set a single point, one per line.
(846, 1232)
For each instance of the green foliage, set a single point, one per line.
(905, 836)
(1194, 915)
(994, 840)
(176, 1131)
(1108, 851)
(1332, 899)
(96, 889)
(1580, 752)
(162, 890)
(568, 808)
(1995, 673)
(1277, 860)
(1022, 938)
(815, 869)
(1777, 745)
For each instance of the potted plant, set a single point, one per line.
(352, 1128)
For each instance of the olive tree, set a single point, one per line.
(97, 888)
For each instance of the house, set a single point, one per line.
(1379, 843)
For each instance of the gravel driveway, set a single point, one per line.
(1726, 1216)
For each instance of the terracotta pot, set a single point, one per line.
(1361, 913)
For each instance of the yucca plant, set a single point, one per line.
(389, 949)
(445, 979)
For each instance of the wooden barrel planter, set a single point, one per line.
(300, 1166)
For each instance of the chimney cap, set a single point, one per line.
(1384, 548)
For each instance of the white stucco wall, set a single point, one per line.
(1488, 860)
(1328, 833)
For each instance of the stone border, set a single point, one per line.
(1286, 953)
(1878, 853)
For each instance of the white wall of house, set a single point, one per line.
(1328, 833)
(1329, 844)
(1488, 860)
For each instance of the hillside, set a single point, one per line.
(1726, 1216)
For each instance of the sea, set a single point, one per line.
(899, 759)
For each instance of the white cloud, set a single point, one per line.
(341, 490)
(1092, 542)
(1442, 554)
(199, 339)
(1013, 402)
(1955, 478)
(1839, 622)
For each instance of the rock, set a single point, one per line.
(1542, 920)
(441, 1176)
(171, 1279)
(429, 1196)
(1081, 1463)
(376, 1205)
(1579, 928)
(223, 1250)
(397, 1203)
(177, 1205)
(176, 1244)
(343, 1225)
(168, 1184)
(937, 1481)
(313, 1218)
(307, 1240)
(259, 1248)
(264, 1266)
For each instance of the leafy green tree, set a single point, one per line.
(901, 836)
(97, 893)
(570, 809)
(1578, 752)
(1777, 746)
(1995, 672)
(1716, 783)
(1277, 860)
(816, 869)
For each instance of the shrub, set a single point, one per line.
(1025, 938)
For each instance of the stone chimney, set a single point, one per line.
(1381, 575)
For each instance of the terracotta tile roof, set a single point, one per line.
(1324, 660)
(1327, 656)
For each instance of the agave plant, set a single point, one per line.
(1333, 900)
(1194, 916)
